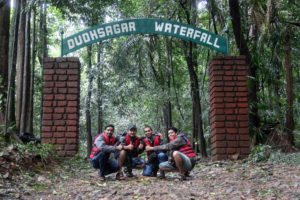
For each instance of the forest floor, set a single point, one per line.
(209, 180)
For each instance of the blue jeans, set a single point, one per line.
(153, 165)
(101, 161)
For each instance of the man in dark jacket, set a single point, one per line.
(181, 155)
(103, 146)
(129, 155)
(154, 158)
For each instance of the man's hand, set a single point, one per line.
(148, 148)
(119, 147)
(160, 135)
(129, 147)
(141, 146)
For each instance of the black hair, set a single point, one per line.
(109, 125)
(173, 129)
(147, 126)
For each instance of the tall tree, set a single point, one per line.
(4, 39)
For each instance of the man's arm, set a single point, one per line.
(174, 145)
(100, 144)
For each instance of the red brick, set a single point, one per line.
(71, 153)
(243, 111)
(243, 117)
(73, 91)
(71, 134)
(47, 122)
(48, 65)
(61, 103)
(232, 143)
(219, 151)
(229, 124)
(71, 110)
(231, 137)
(73, 71)
(71, 147)
(48, 78)
(241, 73)
(228, 111)
(241, 83)
(240, 62)
(241, 94)
(243, 105)
(48, 84)
(231, 150)
(47, 110)
(59, 122)
(227, 78)
(219, 144)
(231, 130)
(72, 97)
(244, 143)
(60, 97)
(243, 130)
(48, 97)
(48, 90)
(46, 140)
(47, 135)
(231, 117)
(217, 131)
(244, 99)
(229, 94)
(48, 71)
(61, 128)
(245, 150)
(47, 116)
(59, 110)
(228, 62)
(72, 128)
(62, 90)
(57, 116)
(74, 65)
(73, 116)
(73, 78)
(71, 141)
(62, 77)
(61, 71)
(72, 103)
(244, 124)
(244, 137)
(59, 134)
(228, 89)
(47, 103)
(61, 141)
(72, 122)
(61, 153)
(230, 105)
(218, 137)
(60, 84)
(63, 65)
(243, 67)
(59, 146)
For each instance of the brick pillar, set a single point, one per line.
(229, 121)
(61, 104)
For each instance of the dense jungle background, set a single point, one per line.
(150, 80)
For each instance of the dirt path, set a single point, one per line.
(219, 180)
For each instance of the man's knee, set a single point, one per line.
(176, 154)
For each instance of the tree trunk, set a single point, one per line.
(20, 65)
(289, 123)
(88, 102)
(99, 91)
(4, 38)
(244, 50)
(10, 103)
(25, 112)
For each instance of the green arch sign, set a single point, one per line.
(144, 26)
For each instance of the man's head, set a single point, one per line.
(172, 132)
(131, 130)
(148, 131)
(109, 130)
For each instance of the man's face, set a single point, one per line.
(132, 132)
(172, 134)
(109, 131)
(148, 132)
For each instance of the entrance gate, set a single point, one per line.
(228, 90)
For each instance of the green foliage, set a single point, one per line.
(45, 151)
(260, 153)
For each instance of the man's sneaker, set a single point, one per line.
(187, 174)
(162, 175)
(120, 176)
(154, 174)
(129, 174)
(182, 177)
(102, 178)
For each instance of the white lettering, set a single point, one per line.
(124, 27)
(215, 43)
(116, 28)
(208, 42)
(182, 31)
(86, 37)
(79, 41)
(71, 44)
(203, 37)
(159, 27)
(93, 34)
(108, 30)
(131, 26)
(196, 34)
(168, 27)
(101, 32)
(190, 32)
(176, 28)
